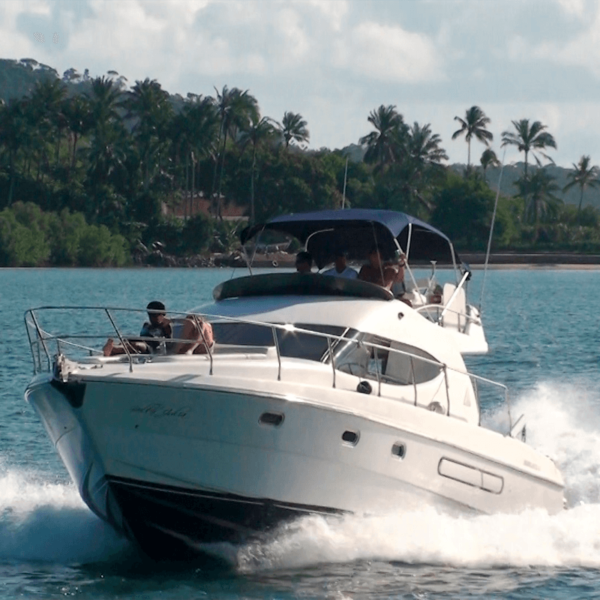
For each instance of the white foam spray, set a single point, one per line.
(41, 521)
(563, 421)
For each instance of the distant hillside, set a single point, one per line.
(18, 77)
(511, 173)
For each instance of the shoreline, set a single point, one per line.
(475, 261)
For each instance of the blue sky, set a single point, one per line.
(333, 61)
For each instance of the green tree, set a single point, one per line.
(258, 132)
(473, 125)
(539, 190)
(463, 211)
(78, 116)
(583, 175)
(194, 136)
(236, 108)
(293, 128)
(529, 138)
(384, 145)
(149, 108)
(23, 240)
(488, 159)
(15, 136)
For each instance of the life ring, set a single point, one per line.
(275, 263)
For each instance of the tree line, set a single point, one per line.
(89, 169)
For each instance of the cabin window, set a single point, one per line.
(350, 437)
(292, 344)
(274, 419)
(374, 357)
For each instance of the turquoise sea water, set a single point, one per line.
(542, 326)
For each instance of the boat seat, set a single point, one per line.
(455, 316)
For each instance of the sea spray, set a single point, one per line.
(563, 421)
(42, 521)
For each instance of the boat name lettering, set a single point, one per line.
(159, 410)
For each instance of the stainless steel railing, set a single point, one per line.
(72, 345)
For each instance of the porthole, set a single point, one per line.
(350, 437)
(273, 419)
(399, 451)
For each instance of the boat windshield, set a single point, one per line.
(364, 355)
(378, 358)
(292, 343)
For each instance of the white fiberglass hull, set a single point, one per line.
(198, 459)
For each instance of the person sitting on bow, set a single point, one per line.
(158, 326)
(196, 337)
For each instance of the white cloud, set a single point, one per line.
(581, 50)
(288, 23)
(389, 53)
(334, 10)
(573, 7)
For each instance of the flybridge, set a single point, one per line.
(357, 230)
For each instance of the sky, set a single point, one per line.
(335, 61)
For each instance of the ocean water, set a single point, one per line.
(542, 327)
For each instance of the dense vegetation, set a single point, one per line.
(92, 173)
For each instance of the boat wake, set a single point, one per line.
(562, 421)
(42, 521)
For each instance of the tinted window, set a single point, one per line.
(363, 360)
(293, 344)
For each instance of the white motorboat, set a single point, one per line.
(321, 395)
(357, 230)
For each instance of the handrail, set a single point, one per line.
(121, 339)
(41, 341)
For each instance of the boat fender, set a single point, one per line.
(364, 387)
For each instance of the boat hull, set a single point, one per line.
(176, 468)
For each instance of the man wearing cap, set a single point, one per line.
(158, 327)
(340, 268)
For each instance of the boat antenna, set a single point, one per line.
(487, 254)
(344, 189)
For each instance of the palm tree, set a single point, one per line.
(235, 109)
(529, 137)
(584, 176)
(259, 132)
(106, 154)
(424, 146)
(539, 193)
(194, 133)
(15, 135)
(384, 144)
(293, 129)
(422, 163)
(77, 114)
(148, 104)
(488, 159)
(473, 125)
(46, 104)
(105, 101)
